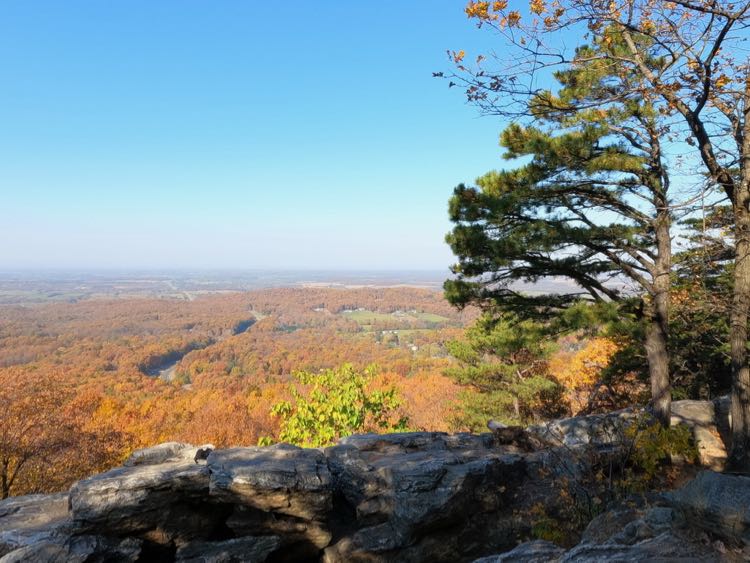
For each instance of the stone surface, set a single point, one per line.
(32, 519)
(239, 550)
(653, 534)
(405, 489)
(165, 502)
(709, 421)
(281, 478)
(77, 549)
(518, 436)
(594, 429)
(411, 497)
(405, 497)
(701, 417)
(537, 551)
(666, 547)
(164, 453)
(718, 503)
(629, 526)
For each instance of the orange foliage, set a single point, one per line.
(431, 401)
(579, 367)
(77, 372)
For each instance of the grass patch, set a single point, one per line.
(369, 317)
(430, 317)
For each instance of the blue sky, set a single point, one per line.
(233, 134)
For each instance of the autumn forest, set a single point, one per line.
(86, 383)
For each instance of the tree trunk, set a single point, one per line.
(658, 358)
(658, 367)
(4, 486)
(739, 457)
(657, 313)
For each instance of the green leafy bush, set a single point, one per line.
(651, 446)
(334, 403)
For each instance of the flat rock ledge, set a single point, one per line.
(405, 497)
(412, 497)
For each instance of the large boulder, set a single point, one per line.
(658, 533)
(40, 528)
(600, 430)
(417, 497)
(78, 549)
(702, 418)
(708, 421)
(282, 490)
(282, 478)
(406, 497)
(163, 502)
(647, 535)
(32, 519)
(718, 503)
(166, 453)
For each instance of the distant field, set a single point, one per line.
(411, 332)
(367, 319)
(430, 317)
(20, 296)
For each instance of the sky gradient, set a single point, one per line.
(186, 134)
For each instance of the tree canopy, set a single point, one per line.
(591, 205)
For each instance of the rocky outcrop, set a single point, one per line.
(425, 496)
(709, 421)
(418, 497)
(32, 519)
(537, 551)
(401, 497)
(706, 520)
(596, 429)
(717, 503)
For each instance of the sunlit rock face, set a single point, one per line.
(410, 497)
(425, 496)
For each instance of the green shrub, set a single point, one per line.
(334, 403)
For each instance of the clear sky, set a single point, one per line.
(233, 134)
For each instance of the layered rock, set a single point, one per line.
(717, 503)
(424, 496)
(418, 497)
(400, 497)
(32, 519)
(709, 422)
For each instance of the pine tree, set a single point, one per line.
(590, 206)
(503, 363)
